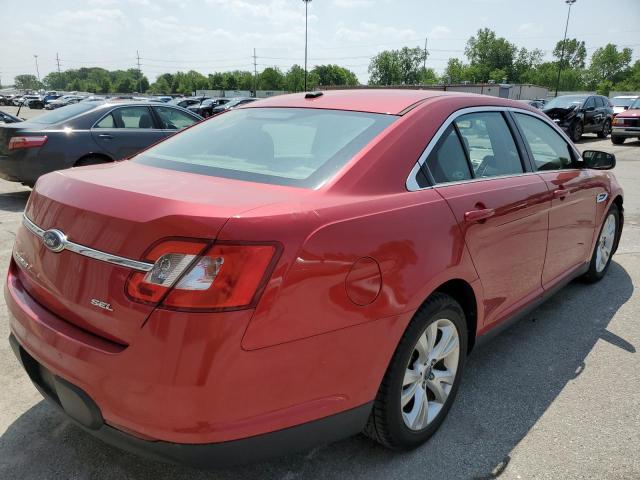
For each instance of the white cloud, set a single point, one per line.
(439, 31)
(372, 31)
(352, 3)
(276, 12)
(530, 28)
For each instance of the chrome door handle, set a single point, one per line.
(479, 215)
(105, 135)
(560, 193)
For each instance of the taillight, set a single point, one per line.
(188, 275)
(27, 142)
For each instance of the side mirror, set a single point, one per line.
(590, 109)
(598, 160)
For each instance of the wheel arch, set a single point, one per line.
(93, 154)
(618, 201)
(462, 292)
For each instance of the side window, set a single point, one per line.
(106, 122)
(590, 103)
(489, 144)
(133, 117)
(447, 162)
(599, 102)
(550, 151)
(173, 119)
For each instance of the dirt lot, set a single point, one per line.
(556, 396)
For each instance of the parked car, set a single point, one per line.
(24, 99)
(537, 103)
(188, 101)
(42, 100)
(94, 98)
(627, 124)
(6, 99)
(6, 118)
(206, 107)
(622, 103)
(578, 114)
(231, 104)
(300, 269)
(63, 101)
(161, 98)
(85, 133)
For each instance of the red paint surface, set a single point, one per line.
(321, 335)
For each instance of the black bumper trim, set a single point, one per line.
(84, 412)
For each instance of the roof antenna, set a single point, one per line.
(313, 94)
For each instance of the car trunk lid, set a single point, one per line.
(120, 209)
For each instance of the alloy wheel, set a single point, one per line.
(605, 243)
(430, 374)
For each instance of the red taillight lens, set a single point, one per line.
(227, 276)
(27, 142)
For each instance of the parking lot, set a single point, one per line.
(555, 396)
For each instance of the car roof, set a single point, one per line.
(390, 101)
(625, 96)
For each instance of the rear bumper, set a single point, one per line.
(22, 166)
(184, 379)
(81, 408)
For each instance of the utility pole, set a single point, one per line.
(424, 65)
(564, 41)
(255, 74)
(139, 73)
(58, 61)
(37, 69)
(306, 23)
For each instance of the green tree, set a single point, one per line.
(397, 67)
(27, 82)
(607, 63)
(333, 75)
(271, 78)
(575, 53)
(124, 85)
(294, 79)
(489, 53)
(631, 80)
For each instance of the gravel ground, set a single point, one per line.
(555, 396)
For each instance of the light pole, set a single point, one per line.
(564, 41)
(37, 69)
(306, 22)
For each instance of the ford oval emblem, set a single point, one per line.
(54, 240)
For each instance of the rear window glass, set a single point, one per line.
(63, 113)
(284, 146)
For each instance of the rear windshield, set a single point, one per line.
(565, 101)
(63, 113)
(621, 102)
(285, 146)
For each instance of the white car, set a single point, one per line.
(622, 102)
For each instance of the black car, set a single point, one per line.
(206, 107)
(85, 133)
(578, 114)
(186, 102)
(6, 118)
(232, 103)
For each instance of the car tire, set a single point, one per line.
(617, 140)
(439, 326)
(605, 246)
(91, 160)
(576, 131)
(606, 129)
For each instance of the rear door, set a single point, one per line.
(501, 208)
(126, 130)
(590, 115)
(573, 208)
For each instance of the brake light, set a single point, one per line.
(190, 275)
(27, 142)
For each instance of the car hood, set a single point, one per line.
(560, 113)
(629, 114)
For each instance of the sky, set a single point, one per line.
(220, 35)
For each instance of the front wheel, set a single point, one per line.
(423, 377)
(576, 131)
(603, 251)
(617, 140)
(606, 129)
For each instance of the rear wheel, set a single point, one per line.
(603, 251)
(606, 129)
(617, 140)
(576, 131)
(423, 377)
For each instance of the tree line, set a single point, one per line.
(487, 58)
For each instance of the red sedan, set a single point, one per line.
(301, 269)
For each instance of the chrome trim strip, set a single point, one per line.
(412, 184)
(90, 252)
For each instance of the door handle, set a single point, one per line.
(479, 215)
(105, 135)
(560, 193)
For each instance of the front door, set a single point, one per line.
(126, 130)
(501, 209)
(573, 208)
